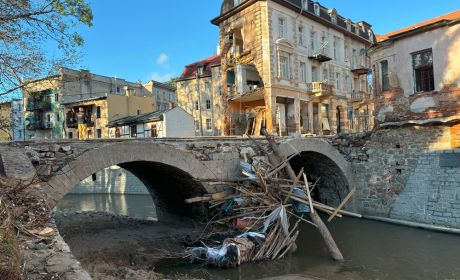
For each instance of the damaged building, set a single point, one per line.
(293, 66)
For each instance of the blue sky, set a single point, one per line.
(154, 39)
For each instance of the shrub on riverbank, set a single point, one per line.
(9, 251)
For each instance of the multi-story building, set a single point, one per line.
(293, 66)
(164, 94)
(6, 125)
(199, 92)
(417, 72)
(17, 118)
(45, 118)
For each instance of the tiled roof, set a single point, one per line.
(447, 17)
(191, 70)
(138, 118)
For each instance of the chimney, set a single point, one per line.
(170, 105)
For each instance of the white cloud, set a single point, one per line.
(162, 59)
(159, 77)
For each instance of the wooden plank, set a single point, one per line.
(308, 193)
(342, 204)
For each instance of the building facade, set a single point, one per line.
(172, 122)
(17, 117)
(199, 92)
(163, 94)
(6, 125)
(416, 72)
(82, 93)
(293, 67)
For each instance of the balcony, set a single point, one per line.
(320, 55)
(42, 105)
(359, 69)
(319, 89)
(252, 94)
(40, 125)
(360, 97)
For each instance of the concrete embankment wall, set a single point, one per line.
(111, 180)
(411, 173)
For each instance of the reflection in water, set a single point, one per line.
(135, 206)
(373, 250)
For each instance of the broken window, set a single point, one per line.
(385, 77)
(423, 70)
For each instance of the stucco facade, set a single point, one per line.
(200, 94)
(401, 96)
(6, 131)
(293, 69)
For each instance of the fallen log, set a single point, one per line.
(329, 241)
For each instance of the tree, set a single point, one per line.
(30, 29)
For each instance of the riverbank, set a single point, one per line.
(110, 246)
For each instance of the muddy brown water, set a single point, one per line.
(373, 250)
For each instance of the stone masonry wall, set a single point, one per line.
(410, 173)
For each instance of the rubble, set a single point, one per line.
(262, 213)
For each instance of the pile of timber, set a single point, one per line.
(265, 210)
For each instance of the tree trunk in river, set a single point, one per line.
(316, 219)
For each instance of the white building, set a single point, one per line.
(174, 122)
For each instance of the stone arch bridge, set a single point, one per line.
(171, 169)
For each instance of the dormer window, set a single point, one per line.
(237, 2)
(357, 30)
(333, 15)
(348, 22)
(316, 9)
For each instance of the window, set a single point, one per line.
(281, 27)
(118, 89)
(138, 112)
(93, 177)
(334, 18)
(385, 77)
(316, 8)
(99, 133)
(58, 118)
(284, 67)
(208, 124)
(133, 129)
(197, 106)
(56, 97)
(153, 130)
(422, 63)
(70, 135)
(301, 36)
(325, 77)
(335, 49)
(303, 72)
(98, 112)
(208, 104)
(314, 74)
(337, 81)
(312, 41)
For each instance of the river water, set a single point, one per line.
(373, 250)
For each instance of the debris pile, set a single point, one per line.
(264, 211)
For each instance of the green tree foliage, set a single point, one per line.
(38, 35)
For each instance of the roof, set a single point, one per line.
(84, 100)
(162, 85)
(153, 116)
(190, 71)
(229, 9)
(419, 27)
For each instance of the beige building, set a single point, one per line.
(199, 92)
(293, 67)
(52, 104)
(417, 72)
(163, 94)
(88, 118)
(6, 121)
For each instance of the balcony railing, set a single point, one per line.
(320, 55)
(33, 105)
(319, 88)
(40, 125)
(360, 96)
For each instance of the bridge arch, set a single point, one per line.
(167, 172)
(324, 163)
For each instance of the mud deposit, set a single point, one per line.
(119, 247)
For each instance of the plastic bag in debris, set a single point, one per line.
(248, 170)
(280, 213)
(225, 256)
(299, 207)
